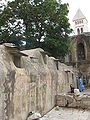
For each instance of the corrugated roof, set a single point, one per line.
(79, 15)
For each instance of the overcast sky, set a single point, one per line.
(74, 5)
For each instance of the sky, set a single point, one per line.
(74, 5)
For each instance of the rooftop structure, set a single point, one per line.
(80, 23)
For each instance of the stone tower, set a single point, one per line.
(80, 56)
(80, 23)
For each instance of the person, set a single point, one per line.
(72, 88)
(81, 86)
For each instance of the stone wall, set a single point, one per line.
(81, 56)
(32, 85)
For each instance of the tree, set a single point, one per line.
(42, 22)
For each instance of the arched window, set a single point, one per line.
(75, 22)
(81, 51)
(78, 31)
(81, 30)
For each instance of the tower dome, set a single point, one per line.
(80, 23)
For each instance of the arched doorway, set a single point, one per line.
(80, 51)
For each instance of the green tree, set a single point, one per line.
(43, 23)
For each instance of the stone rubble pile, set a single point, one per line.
(73, 101)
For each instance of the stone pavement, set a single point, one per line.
(67, 114)
(87, 91)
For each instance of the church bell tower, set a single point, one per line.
(80, 23)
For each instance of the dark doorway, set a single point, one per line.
(81, 51)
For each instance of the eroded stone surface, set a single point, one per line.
(67, 114)
(29, 81)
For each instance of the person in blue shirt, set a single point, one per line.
(81, 86)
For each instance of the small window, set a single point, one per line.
(78, 31)
(75, 22)
(81, 30)
(80, 22)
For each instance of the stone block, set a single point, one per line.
(61, 100)
(81, 101)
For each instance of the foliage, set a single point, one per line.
(43, 23)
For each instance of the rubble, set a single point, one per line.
(74, 101)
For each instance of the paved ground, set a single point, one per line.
(67, 114)
(87, 91)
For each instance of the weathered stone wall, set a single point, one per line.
(2, 84)
(33, 85)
